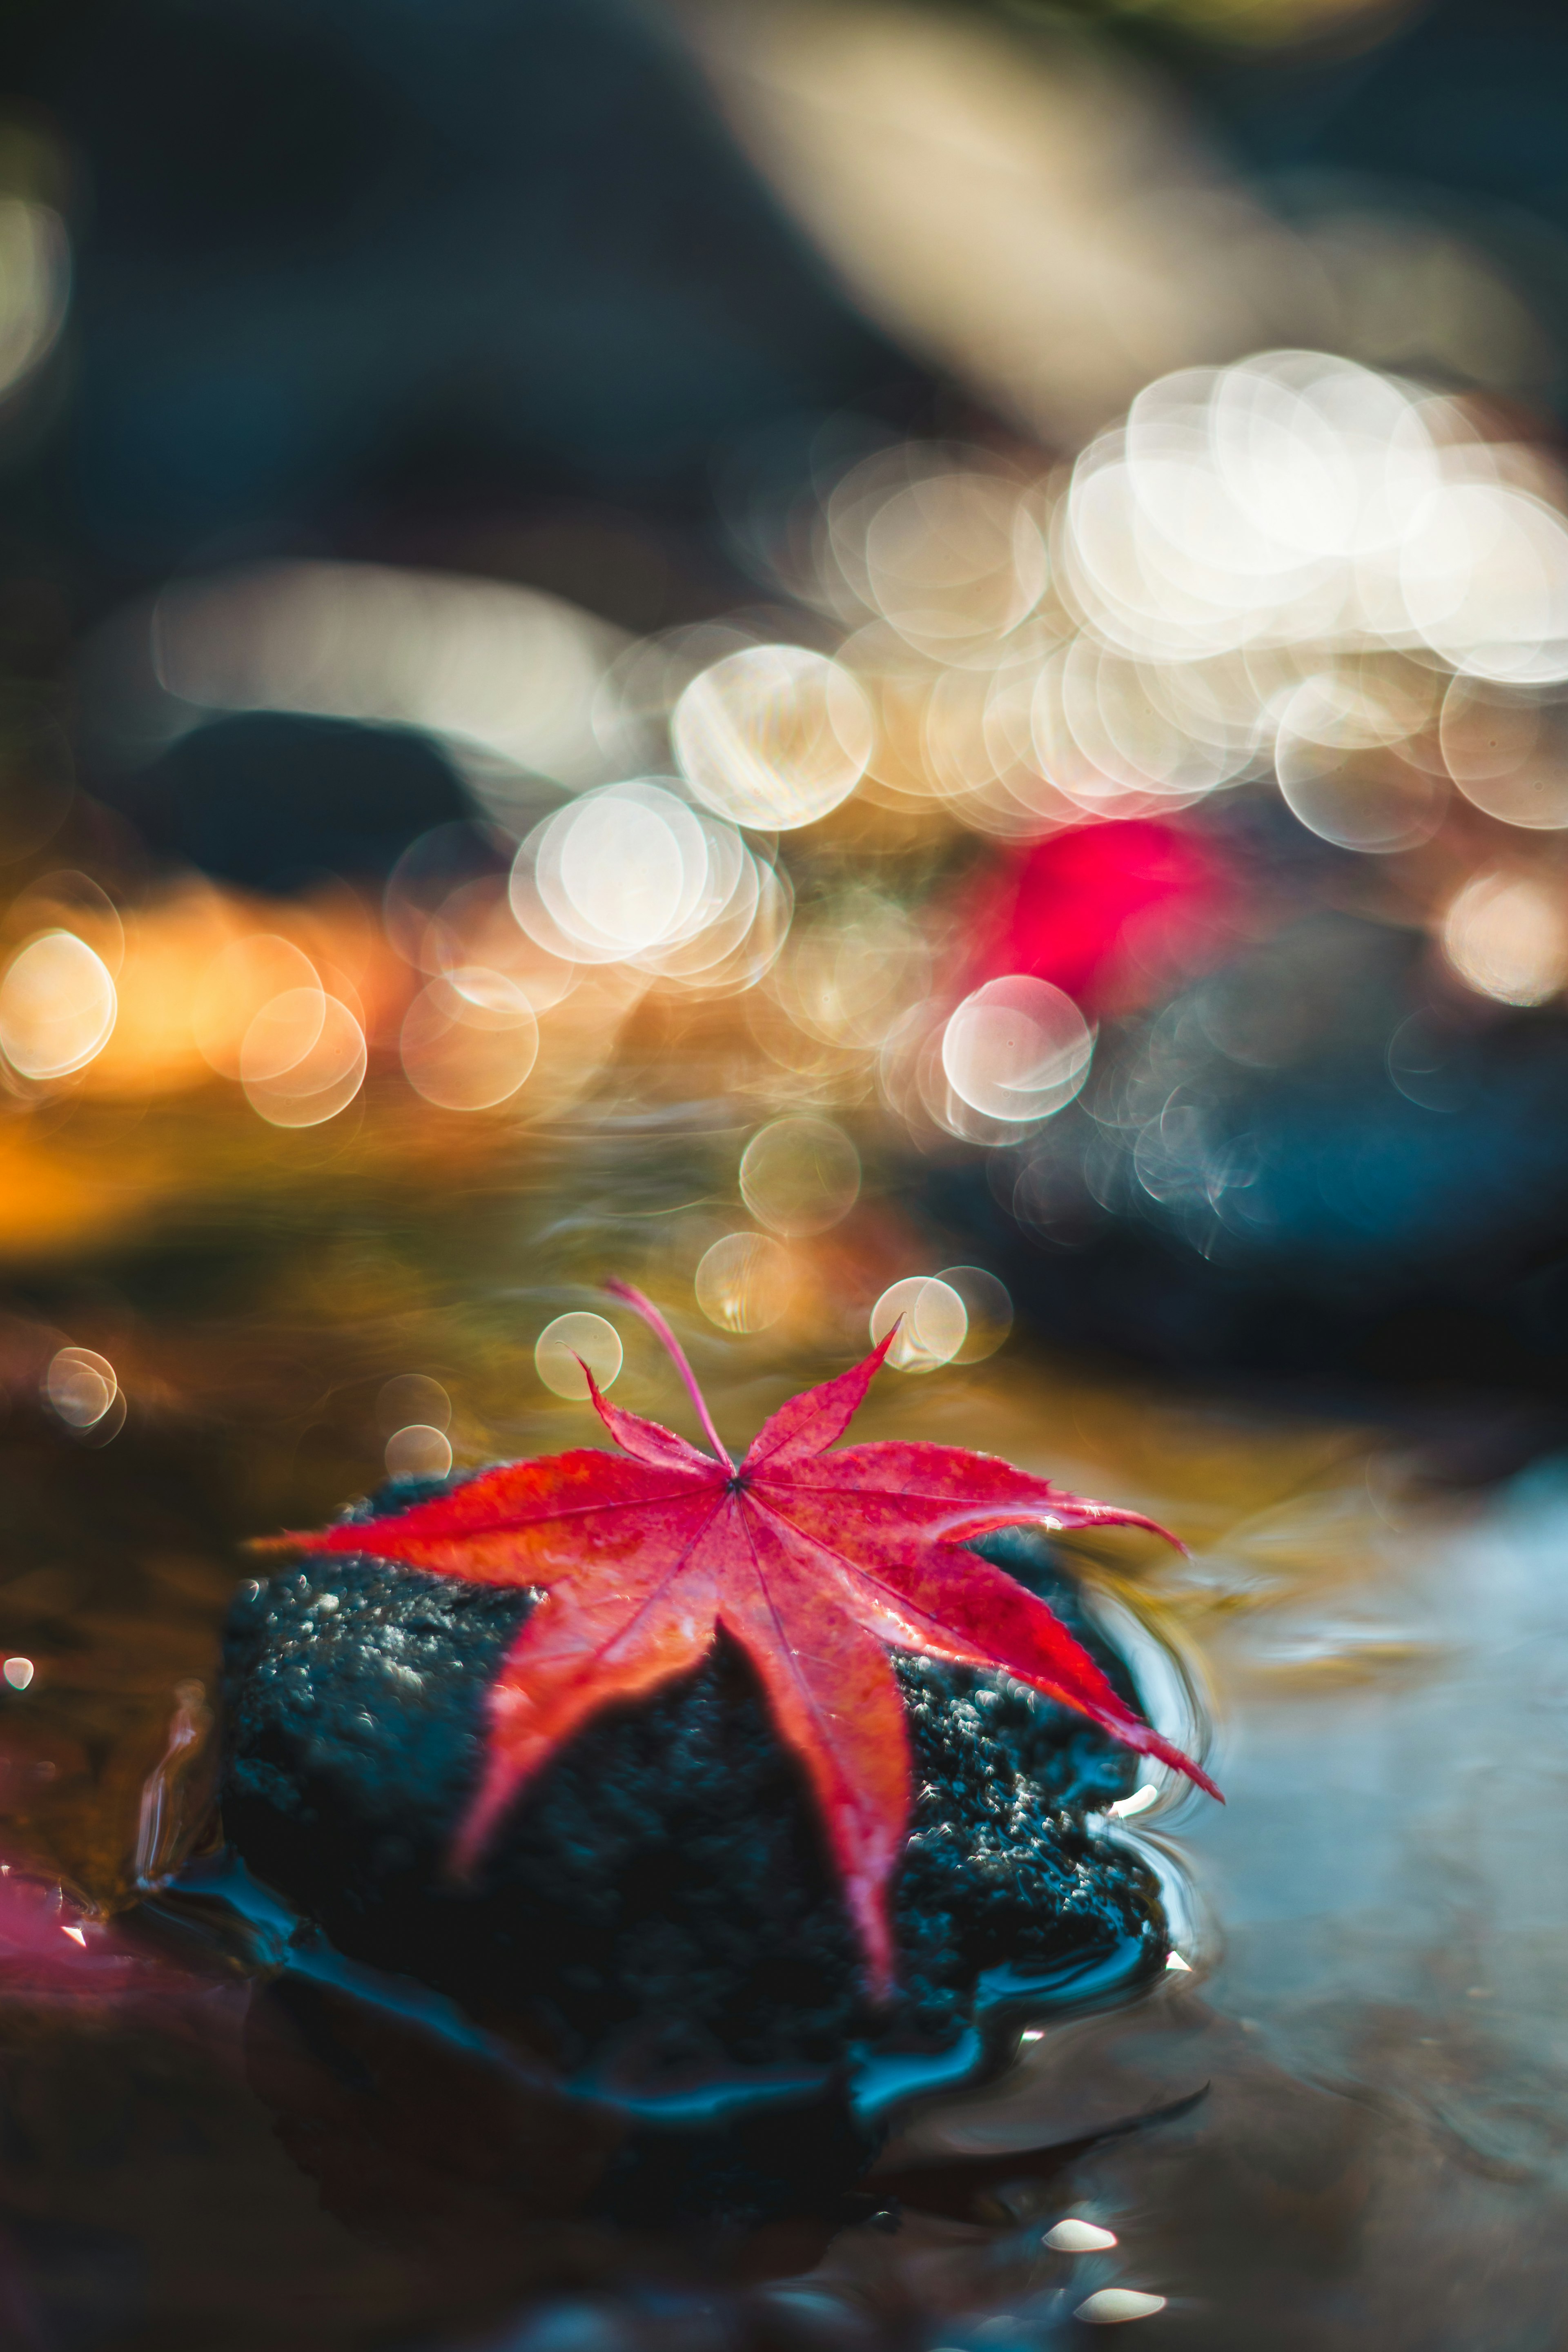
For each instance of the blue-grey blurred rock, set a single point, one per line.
(338, 258)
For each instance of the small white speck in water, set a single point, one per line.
(1139, 1802)
(1113, 2305)
(1075, 2236)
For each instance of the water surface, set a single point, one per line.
(1345, 2121)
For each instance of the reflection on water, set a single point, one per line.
(1338, 2113)
(1372, 2149)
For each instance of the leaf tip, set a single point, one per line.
(466, 1850)
(595, 1393)
(1169, 1753)
(868, 1908)
(641, 1305)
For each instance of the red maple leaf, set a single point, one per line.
(815, 1562)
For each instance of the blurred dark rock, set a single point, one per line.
(1320, 1161)
(271, 801)
(340, 261)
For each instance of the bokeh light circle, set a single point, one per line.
(327, 1073)
(573, 1340)
(281, 1033)
(58, 1006)
(247, 975)
(743, 1282)
(800, 1176)
(1505, 753)
(469, 1039)
(436, 867)
(1018, 1050)
(1485, 576)
(410, 1398)
(1506, 935)
(618, 869)
(417, 1450)
(988, 1306)
(932, 1323)
(80, 1386)
(632, 874)
(1344, 781)
(951, 557)
(773, 736)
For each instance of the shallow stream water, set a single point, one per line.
(1343, 2121)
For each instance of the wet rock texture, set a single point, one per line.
(660, 1904)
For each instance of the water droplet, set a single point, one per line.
(1115, 2304)
(1074, 2236)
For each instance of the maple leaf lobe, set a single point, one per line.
(816, 1564)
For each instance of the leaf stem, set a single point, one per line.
(661, 1331)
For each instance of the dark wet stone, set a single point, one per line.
(1316, 1163)
(272, 800)
(352, 347)
(660, 1904)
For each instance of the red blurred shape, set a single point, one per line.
(1111, 913)
(52, 1945)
